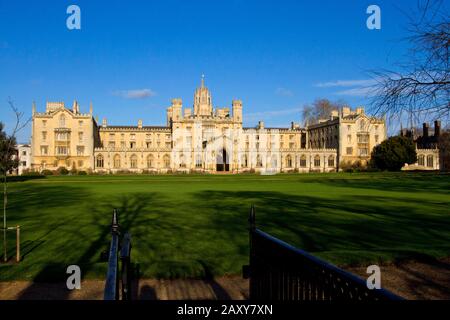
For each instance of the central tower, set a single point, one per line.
(202, 101)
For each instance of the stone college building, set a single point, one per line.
(199, 139)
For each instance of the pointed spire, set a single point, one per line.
(90, 108)
(33, 108)
(203, 81)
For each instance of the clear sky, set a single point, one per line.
(130, 58)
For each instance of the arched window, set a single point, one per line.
(317, 161)
(274, 161)
(244, 161)
(289, 161)
(362, 125)
(150, 161)
(198, 161)
(331, 161)
(133, 161)
(62, 121)
(430, 161)
(421, 160)
(117, 161)
(303, 161)
(100, 161)
(166, 160)
(258, 161)
(182, 161)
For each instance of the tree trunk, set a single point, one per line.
(5, 200)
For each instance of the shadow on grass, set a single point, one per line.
(434, 182)
(204, 233)
(23, 178)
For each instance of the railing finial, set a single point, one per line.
(115, 222)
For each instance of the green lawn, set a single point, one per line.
(190, 226)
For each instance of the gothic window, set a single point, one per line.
(421, 160)
(100, 161)
(331, 161)
(166, 160)
(150, 161)
(133, 161)
(362, 125)
(289, 161)
(258, 161)
(430, 161)
(198, 161)
(80, 150)
(244, 161)
(303, 161)
(182, 161)
(117, 161)
(317, 161)
(274, 161)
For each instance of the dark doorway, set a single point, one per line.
(222, 163)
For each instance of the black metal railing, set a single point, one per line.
(279, 271)
(115, 278)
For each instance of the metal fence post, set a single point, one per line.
(112, 276)
(18, 243)
(252, 267)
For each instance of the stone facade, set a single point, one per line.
(428, 153)
(200, 138)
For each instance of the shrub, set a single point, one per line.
(124, 171)
(30, 173)
(62, 171)
(393, 153)
(47, 172)
(82, 173)
(353, 166)
(73, 171)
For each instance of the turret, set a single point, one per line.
(237, 110)
(174, 111)
(75, 107)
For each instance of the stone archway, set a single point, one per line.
(222, 160)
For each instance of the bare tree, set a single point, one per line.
(9, 160)
(319, 109)
(421, 87)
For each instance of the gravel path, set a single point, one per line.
(412, 280)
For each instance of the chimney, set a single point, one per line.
(345, 111)
(139, 123)
(425, 130)
(334, 114)
(360, 110)
(261, 125)
(437, 128)
(104, 123)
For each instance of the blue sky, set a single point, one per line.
(130, 58)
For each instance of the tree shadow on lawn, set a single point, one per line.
(401, 181)
(365, 227)
(91, 234)
(206, 235)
